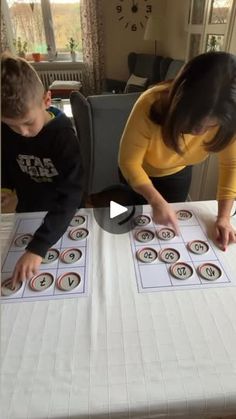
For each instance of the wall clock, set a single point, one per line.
(133, 14)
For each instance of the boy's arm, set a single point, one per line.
(70, 191)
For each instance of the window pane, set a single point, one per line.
(198, 12)
(219, 11)
(66, 23)
(27, 24)
(214, 42)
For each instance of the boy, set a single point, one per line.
(40, 159)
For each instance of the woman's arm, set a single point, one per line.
(224, 231)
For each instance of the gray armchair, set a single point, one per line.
(99, 122)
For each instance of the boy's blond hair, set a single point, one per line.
(20, 85)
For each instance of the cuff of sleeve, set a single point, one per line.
(39, 247)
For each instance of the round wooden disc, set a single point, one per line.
(142, 220)
(68, 281)
(23, 240)
(71, 255)
(209, 271)
(77, 220)
(51, 256)
(181, 270)
(146, 255)
(184, 215)
(144, 236)
(78, 233)
(166, 233)
(169, 255)
(41, 282)
(6, 287)
(198, 247)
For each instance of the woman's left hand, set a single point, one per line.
(225, 233)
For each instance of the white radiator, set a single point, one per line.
(48, 76)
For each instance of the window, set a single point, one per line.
(46, 26)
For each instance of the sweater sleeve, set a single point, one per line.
(70, 192)
(227, 172)
(134, 144)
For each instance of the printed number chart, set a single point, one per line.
(63, 272)
(164, 261)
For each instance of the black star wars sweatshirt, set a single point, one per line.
(46, 173)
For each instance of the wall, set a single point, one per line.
(120, 41)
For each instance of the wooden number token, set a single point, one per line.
(184, 215)
(41, 282)
(7, 289)
(198, 246)
(147, 255)
(68, 281)
(77, 220)
(142, 220)
(51, 256)
(181, 270)
(166, 233)
(23, 240)
(78, 233)
(209, 271)
(71, 255)
(169, 255)
(144, 236)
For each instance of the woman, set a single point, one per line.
(175, 125)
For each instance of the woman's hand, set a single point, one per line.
(224, 233)
(164, 214)
(26, 267)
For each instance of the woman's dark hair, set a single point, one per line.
(205, 87)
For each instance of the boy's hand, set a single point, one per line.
(8, 200)
(26, 267)
(224, 232)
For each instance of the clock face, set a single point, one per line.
(133, 14)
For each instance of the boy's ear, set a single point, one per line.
(47, 99)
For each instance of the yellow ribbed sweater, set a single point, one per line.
(143, 152)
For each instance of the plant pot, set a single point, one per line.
(73, 56)
(36, 56)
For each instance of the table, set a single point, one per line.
(117, 353)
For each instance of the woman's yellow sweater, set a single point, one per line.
(143, 152)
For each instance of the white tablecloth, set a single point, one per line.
(117, 353)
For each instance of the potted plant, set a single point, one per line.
(20, 47)
(72, 44)
(36, 56)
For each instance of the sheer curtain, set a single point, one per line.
(93, 46)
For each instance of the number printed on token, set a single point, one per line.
(51, 256)
(23, 240)
(41, 282)
(142, 220)
(77, 220)
(68, 281)
(78, 233)
(7, 289)
(144, 236)
(184, 215)
(147, 255)
(209, 271)
(71, 255)
(181, 270)
(198, 246)
(166, 233)
(169, 255)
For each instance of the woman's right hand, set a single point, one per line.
(164, 214)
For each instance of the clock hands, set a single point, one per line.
(134, 7)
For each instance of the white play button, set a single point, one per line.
(116, 209)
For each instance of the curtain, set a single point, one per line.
(4, 41)
(93, 46)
